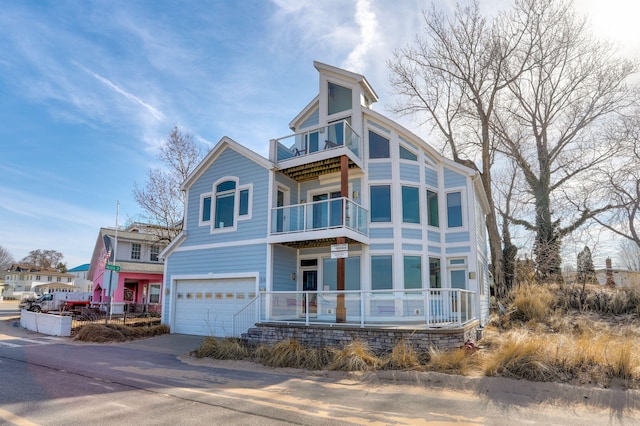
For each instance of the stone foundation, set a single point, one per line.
(380, 339)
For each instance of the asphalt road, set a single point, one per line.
(55, 381)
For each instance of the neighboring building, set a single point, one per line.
(81, 282)
(23, 280)
(136, 273)
(351, 201)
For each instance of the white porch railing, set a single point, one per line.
(334, 213)
(427, 308)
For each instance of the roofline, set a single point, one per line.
(306, 110)
(225, 142)
(358, 77)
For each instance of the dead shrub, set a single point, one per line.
(355, 356)
(533, 303)
(402, 357)
(225, 348)
(289, 353)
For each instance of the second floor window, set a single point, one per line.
(155, 253)
(380, 203)
(454, 209)
(135, 251)
(225, 204)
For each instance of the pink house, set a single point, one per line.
(126, 264)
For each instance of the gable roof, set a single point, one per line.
(224, 143)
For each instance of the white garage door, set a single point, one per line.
(206, 307)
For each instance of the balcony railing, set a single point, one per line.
(318, 215)
(318, 139)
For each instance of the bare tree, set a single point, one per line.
(453, 77)
(550, 122)
(629, 255)
(623, 182)
(45, 259)
(6, 259)
(161, 196)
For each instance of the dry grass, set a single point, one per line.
(557, 334)
(228, 348)
(102, 333)
(355, 356)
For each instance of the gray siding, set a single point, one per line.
(381, 233)
(379, 171)
(411, 233)
(431, 177)
(456, 237)
(433, 236)
(409, 172)
(453, 179)
(313, 120)
(284, 264)
(412, 247)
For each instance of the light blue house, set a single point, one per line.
(353, 221)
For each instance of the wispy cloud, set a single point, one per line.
(154, 112)
(367, 21)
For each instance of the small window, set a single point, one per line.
(381, 272)
(454, 209)
(339, 99)
(405, 154)
(378, 146)
(135, 251)
(206, 209)
(244, 202)
(154, 254)
(380, 203)
(308, 262)
(410, 204)
(432, 208)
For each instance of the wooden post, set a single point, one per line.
(341, 310)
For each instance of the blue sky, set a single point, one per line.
(90, 89)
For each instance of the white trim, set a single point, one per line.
(221, 245)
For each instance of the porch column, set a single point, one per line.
(341, 310)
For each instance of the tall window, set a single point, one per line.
(454, 209)
(155, 253)
(412, 272)
(244, 202)
(135, 251)
(435, 280)
(381, 272)
(380, 203)
(205, 215)
(154, 293)
(351, 273)
(339, 99)
(378, 146)
(225, 203)
(432, 208)
(410, 204)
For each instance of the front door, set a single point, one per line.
(310, 283)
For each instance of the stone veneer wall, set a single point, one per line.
(379, 339)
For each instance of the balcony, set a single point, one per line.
(317, 151)
(318, 223)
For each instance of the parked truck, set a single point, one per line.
(57, 301)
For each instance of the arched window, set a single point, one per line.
(225, 204)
